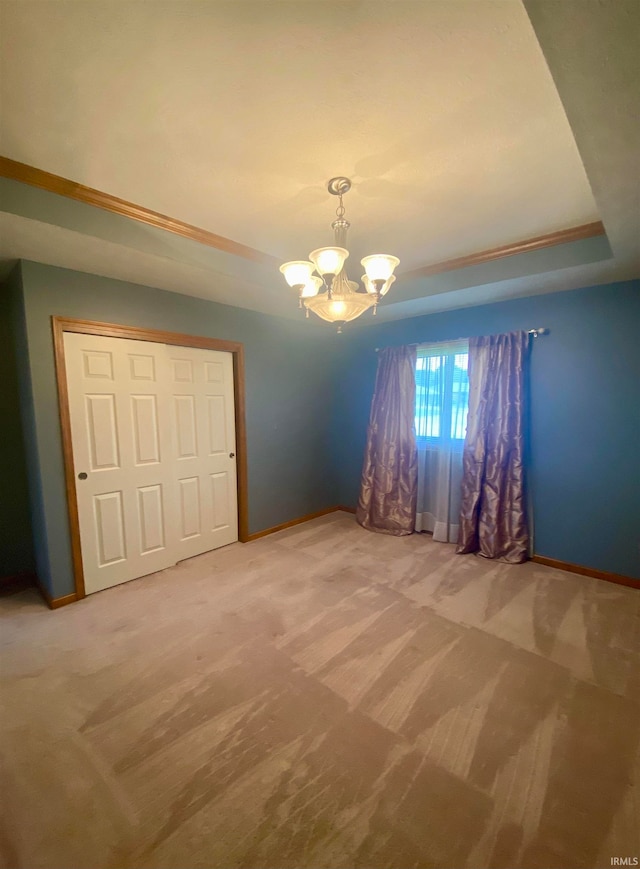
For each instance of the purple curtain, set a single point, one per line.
(390, 472)
(493, 518)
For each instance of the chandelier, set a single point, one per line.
(329, 293)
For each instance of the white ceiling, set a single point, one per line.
(233, 115)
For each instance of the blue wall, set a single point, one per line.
(290, 372)
(584, 469)
(308, 398)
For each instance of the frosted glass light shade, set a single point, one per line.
(370, 288)
(297, 272)
(329, 260)
(379, 266)
(311, 288)
(340, 310)
(346, 304)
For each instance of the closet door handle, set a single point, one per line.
(82, 475)
(231, 455)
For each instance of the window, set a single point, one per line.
(442, 393)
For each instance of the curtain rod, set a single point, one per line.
(535, 332)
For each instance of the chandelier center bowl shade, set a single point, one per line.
(321, 281)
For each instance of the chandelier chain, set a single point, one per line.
(340, 210)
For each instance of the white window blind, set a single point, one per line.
(442, 392)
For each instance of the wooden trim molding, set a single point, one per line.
(551, 239)
(60, 325)
(242, 475)
(258, 534)
(55, 603)
(26, 174)
(618, 578)
(89, 196)
(29, 579)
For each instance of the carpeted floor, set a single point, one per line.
(325, 697)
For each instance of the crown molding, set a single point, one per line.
(89, 196)
(539, 242)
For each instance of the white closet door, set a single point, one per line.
(147, 495)
(203, 409)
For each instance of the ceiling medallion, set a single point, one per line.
(329, 293)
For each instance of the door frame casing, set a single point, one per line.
(60, 325)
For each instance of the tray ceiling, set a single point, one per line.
(233, 115)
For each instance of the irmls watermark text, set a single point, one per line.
(624, 861)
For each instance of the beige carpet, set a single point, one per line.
(325, 697)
